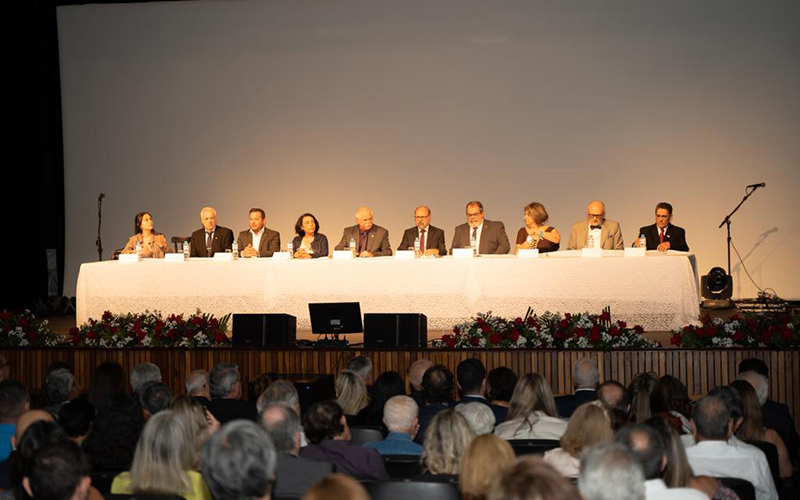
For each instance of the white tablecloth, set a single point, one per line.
(659, 291)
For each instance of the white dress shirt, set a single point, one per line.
(596, 234)
(656, 489)
(256, 238)
(721, 459)
(477, 237)
(544, 427)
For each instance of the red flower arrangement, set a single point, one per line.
(781, 331)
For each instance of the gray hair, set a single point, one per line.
(361, 365)
(58, 385)
(222, 379)
(609, 471)
(282, 424)
(480, 417)
(155, 397)
(584, 373)
(142, 374)
(195, 381)
(280, 391)
(239, 462)
(759, 382)
(399, 413)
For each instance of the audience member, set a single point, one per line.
(437, 392)
(714, 456)
(283, 391)
(446, 439)
(337, 487)
(532, 414)
(610, 471)
(530, 478)
(588, 426)
(676, 397)
(486, 458)
(197, 386)
(115, 431)
(471, 380)
(76, 418)
(36, 429)
(261, 383)
(294, 475)
(200, 421)
(14, 401)
(58, 471)
(154, 397)
(612, 395)
(647, 400)
(225, 387)
(329, 437)
(239, 462)
(26, 420)
(480, 417)
(60, 388)
(108, 380)
(500, 385)
(361, 366)
(776, 415)
(351, 395)
(400, 415)
(584, 379)
(387, 385)
(733, 402)
(415, 373)
(141, 375)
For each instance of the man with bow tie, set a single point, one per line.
(662, 235)
(606, 234)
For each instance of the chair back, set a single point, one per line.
(743, 488)
(179, 239)
(402, 466)
(365, 434)
(533, 446)
(404, 489)
(771, 452)
(142, 496)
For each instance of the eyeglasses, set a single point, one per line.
(421, 216)
(595, 216)
(474, 214)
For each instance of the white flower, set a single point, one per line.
(482, 342)
(521, 341)
(23, 342)
(718, 321)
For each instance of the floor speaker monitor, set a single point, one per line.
(395, 330)
(264, 330)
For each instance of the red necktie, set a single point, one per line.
(422, 241)
(661, 236)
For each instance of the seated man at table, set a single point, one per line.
(662, 235)
(490, 235)
(431, 239)
(605, 233)
(259, 241)
(211, 238)
(371, 239)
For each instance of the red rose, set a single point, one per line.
(514, 335)
(5, 314)
(456, 330)
(531, 321)
(766, 337)
(140, 335)
(735, 317)
(188, 334)
(196, 321)
(32, 337)
(567, 316)
(76, 339)
(518, 321)
(622, 325)
(638, 329)
(739, 335)
(675, 340)
(605, 316)
(787, 333)
(23, 323)
(171, 334)
(495, 338)
(159, 326)
(597, 329)
(74, 330)
(107, 316)
(220, 338)
(446, 338)
(563, 324)
(594, 336)
(213, 323)
(452, 342)
(486, 328)
(474, 341)
(580, 332)
(614, 332)
(91, 335)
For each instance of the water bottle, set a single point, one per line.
(290, 249)
(473, 244)
(642, 241)
(138, 247)
(529, 239)
(186, 252)
(590, 241)
(416, 248)
(235, 249)
(353, 248)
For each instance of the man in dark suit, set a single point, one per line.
(437, 392)
(471, 380)
(431, 239)
(662, 235)
(371, 240)
(226, 391)
(584, 379)
(259, 241)
(294, 475)
(491, 235)
(211, 238)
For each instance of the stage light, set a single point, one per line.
(717, 288)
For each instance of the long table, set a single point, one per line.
(659, 291)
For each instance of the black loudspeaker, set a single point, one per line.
(264, 330)
(395, 330)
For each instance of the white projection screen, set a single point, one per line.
(325, 105)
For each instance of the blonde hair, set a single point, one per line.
(163, 456)
(194, 413)
(487, 457)
(531, 478)
(446, 439)
(537, 212)
(532, 393)
(588, 426)
(351, 392)
(337, 486)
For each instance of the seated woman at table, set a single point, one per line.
(309, 242)
(154, 245)
(536, 233)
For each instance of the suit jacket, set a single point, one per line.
(777, 416)
(270, 242)
(493, 238)
(377, 240)
(674, 234)
(434, 238)
(223, 240)
(319, 245)
(347, 459)
(499, 411)
(426, 414)
(610, 236)
(225, 410)
(568, 404)
(295, 475)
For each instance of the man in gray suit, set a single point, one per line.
(259, 241)
(431, 239)
(491, 234)
(605, 233)
(371, 240)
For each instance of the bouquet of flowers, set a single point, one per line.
(781, 331)
(19, 330)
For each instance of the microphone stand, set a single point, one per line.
(99, 241)
(727, 221)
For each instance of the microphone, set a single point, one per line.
(759, 185)
(102, 195)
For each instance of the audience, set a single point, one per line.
(446, 439)
(60, 388)
(283, 391)
(584, 378)
(676, 397)
(14, 401)
(361, 366)
(500, 385)
(294, 475)
(610, 471)
(471, 381)
(76, 418)
(588, 426)
(141, 375)
(58, 471)
(201, 423)
(532, 414)
(647, 400)
(154, 397)
(107, 381)
(480, 416)
(387, 385)
(115, 431)
(415, 373)
(351, 395)
(437, 392)
(612, 395)
(486, 458)
(225, 387)
(530, 478)
(400, 415)
(197, 386)
(337, 487)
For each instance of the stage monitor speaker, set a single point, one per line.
(264, 330)
(395, 330)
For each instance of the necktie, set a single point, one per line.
(209, 241)
(661, 236)
(474, 233)
(362, 241)
(422, 241)
(595, 227)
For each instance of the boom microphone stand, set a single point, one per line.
(749, 190)
(99, 241)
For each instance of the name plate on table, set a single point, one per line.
(281, 256)
(129, 257)
(462, 253)
(528, 253)
(635, 252)
(223, 256)
(174, 257)
(342, 254)
(592, 252)
(404, 254)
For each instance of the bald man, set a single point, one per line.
(371, 240)
(211, 238)
(606, 233)
(431, 239)
(26, 420)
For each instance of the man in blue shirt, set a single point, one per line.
(14, 401)
(401, 416)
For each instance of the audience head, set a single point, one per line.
(239, 462)
(755, 365)
(306, 222)
(282, 425)
(108, 380)
(589, 425)
(325, 420)
(387, 385)
(733, 402)
(446, 439)
(612, 395)
(437, 385)
(14, 400)
(646, 398)
(647, 446)
(26, 420)
(361, 366)
(481, 418)
(676, 396)
(261, 383)
(115, 432)
(351, 393)
(678, 472)
(58, 471)
(194, 415)
(759, 382)
(486, 458)
(610, 471)
(416, 371)
(711, 418)
(197, 384)
(142, 374)
(752, 428)
(471, 376)
(76, 418)
(584, 374)
(223, 381)
(280, 391)
(59, 386)
(337, 487)
(400, 414)
(165, 452)
(531, 478)
(500, 384)
(531, 394)
(154, 397)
